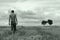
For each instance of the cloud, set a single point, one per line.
(2, 1)
(32, 11)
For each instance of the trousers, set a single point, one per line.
(13, 26)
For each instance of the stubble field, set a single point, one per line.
(31, 33)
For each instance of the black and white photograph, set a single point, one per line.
(29, 19)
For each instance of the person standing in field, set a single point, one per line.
(13, 21)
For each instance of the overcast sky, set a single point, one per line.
(31, 12)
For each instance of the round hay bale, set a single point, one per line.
(44, 22)
(50, 22)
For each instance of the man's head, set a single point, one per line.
(12, 11)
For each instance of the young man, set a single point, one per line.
(13, 21)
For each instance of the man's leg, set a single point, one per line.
(14, 28)
(11, 27)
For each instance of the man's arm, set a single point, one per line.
(9, 20)
(16, 20)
